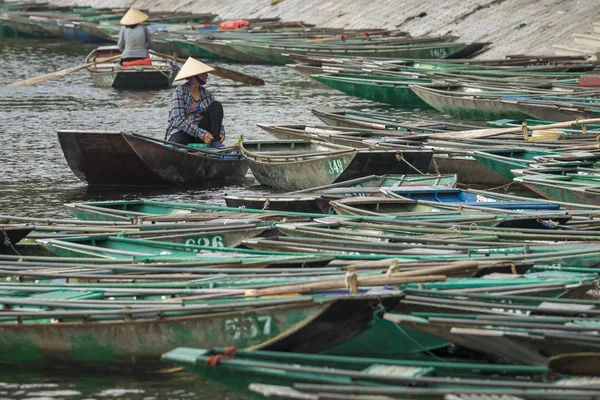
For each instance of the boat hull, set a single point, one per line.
(105, 158)
(180, 166)
(134, 79)
(468, 107)
(136, 344)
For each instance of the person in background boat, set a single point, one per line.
(134, 39)
(195, 116)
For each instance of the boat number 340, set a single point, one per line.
(214, 241)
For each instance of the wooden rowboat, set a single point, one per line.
(82, 335)
(294, 164)
(11, 234)
(159, 75)
(105, 158)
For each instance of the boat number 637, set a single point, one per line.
(214, 241)
(248, 327)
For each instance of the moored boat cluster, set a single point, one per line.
(392, 256)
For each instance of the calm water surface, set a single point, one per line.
(35, 179)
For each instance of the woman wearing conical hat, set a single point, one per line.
(134, 39)
(195, 116)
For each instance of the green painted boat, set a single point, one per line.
(532, 334)
(237, 369)
(503, 161)
(23, 27)
(277, 54)
(80, 335)
(582, 188)
(159, 75)
(189, 48)
(382, 89)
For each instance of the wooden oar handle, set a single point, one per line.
(221, 71)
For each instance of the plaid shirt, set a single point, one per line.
(184, 116)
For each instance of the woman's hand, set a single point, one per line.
(221, 138)
(207, 138)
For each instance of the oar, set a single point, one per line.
(58, 74)
(222, 72)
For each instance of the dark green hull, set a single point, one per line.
(381, 91)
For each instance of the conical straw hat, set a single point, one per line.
(133, 17)
(192, 67)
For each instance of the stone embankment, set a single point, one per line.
(540, 27)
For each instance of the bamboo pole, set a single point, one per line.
(341, 283)
(58, 74)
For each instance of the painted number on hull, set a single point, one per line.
(248, 327)
(214, 241)
(438, 53)
(335, 167)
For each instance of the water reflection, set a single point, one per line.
(54, 385)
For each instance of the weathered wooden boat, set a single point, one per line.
(303, 164)
(134, 337)
(105, 158)
(582, 188)
(183, 165)
(11, 234)
(559, 111)
(398, 208)
(535, 329)
(130, 249)
(316, 199)
(159, 75)
(358, 119)
(237, 369)
(469, 104)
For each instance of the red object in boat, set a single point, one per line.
(143, 61)
(234, 24)
(589, 81)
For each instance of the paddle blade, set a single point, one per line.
(237, 76)
(576, 363)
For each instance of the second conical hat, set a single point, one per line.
(133, 17)
(193, 67)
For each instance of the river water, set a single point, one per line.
(34, 177)
(35, 180)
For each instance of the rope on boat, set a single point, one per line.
(435, 166)
(7, 242)
(400, 157)
(505, 187)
